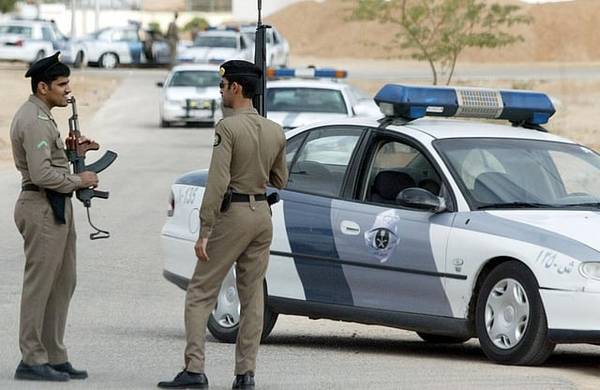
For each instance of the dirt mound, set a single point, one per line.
(559, 32)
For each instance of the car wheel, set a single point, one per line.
(439, 339)
(164, 123)
(224, 321)
(109, 61)
(510, 319)
(78, 63)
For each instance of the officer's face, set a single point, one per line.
(57, 92)
(226, 93)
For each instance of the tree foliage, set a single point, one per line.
(7, 5)
(196, 23)
(437, 31)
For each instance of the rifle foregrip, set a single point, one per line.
(104, 162)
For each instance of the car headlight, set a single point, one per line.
(590, 270)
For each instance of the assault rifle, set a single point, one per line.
(76, 154)
(260, 60)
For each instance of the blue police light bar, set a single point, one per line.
(412, 102)
(306, 73)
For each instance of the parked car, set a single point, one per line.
(190, 94)
(131, 45)
(217, 46)
(278, 48)
(453, 229)
(304, 96)
(30, 40)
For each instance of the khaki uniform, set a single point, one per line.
(49, 279)
(173, 38)
(249, 152)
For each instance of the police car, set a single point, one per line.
(451, 228)
(190, 94)
(217, 46)
(302, 96)
(31, 40)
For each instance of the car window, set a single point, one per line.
(276, 39)
(215, 41)
(26, 32)
(47, 34)
(323, 160)
(57, 33)
(195, 78)
(292, 147)
(125, 35)
(297, 99)
(396, 166)
(495, 172)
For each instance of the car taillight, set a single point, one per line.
(19, 43)
(171, 210)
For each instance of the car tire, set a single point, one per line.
(440, 339)
(109, 61)
(227, 333)
(510, 319)
(78, 63)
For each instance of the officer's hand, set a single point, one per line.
(200, 249)
(84, 140)
(88, 179)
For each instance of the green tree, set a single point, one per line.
(437, 31)
(197, 23)
(7, 5)
(154, 27)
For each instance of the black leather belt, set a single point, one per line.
(30, 187)
(235, 197)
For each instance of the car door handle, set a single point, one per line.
(350, 228)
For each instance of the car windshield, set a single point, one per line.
(216, 41)
(195, 78)
(517, 173)
(17, 30)
(294, 99)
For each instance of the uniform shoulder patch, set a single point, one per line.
(43, 116)
(217, 140)
(41, 144)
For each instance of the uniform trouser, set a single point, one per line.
(49, 279)
(241, 236)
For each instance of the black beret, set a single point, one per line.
(239, 68)
(43, 65)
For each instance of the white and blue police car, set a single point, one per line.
(298, 97)
(451, 228)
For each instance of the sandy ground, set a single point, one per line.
(565, 32)
(91, 91)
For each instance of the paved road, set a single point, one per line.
(126, 322)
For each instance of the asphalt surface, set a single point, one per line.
(126, 321)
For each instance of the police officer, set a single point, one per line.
(248, 153)
(44, 217)
(173, 39)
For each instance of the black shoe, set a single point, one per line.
(39, 372)
(244, 381)
(68, 369)
(186, 380)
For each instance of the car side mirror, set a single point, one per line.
(160, 84)
(420, 198)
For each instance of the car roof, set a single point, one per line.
(24, 22)
(438, 128)
(207, 67)
(307, 83)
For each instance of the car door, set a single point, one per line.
(393, 258)
(305, 262)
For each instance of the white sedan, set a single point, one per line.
(218, 46)
(453, 229)
(314, 95)
(190, 94)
